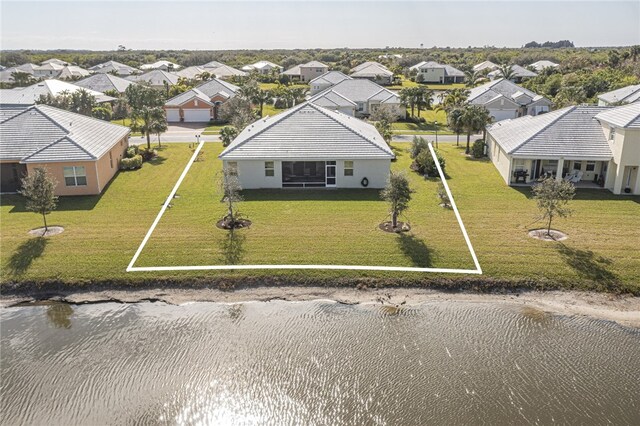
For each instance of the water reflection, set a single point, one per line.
(60, 315)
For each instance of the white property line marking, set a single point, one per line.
(132, 268)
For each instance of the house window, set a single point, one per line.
(348, 168)
(577, 165)
(360, 106)
(269, 168)
(612, 133)
(232, 166)
(318, 69)
(591, 166)
(75, 176)
(111, 159)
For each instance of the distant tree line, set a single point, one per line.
(552, 44)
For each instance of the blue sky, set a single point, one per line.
(103, 25)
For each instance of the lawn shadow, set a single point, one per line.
(300, 194)
(415, 249)
(25, 254)
(588, 264)
(158, 160)
(232, 247)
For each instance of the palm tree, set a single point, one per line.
(455, 98)
(473, 78)
(298, 94)
(454, 121)
(423, 98)
(474, 118)
(21, 79)
(262, 97)
(249, 90)
(204, 76)
(506, 72)
(408, 98)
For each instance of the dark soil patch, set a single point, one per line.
(240, 224)
(388, 227)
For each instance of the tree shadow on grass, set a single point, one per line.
(232, 247)
(415, 249)
(157, 160)
(588, 265)
(25, 254)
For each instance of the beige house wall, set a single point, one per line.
(309, 73)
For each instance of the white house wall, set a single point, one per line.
(500, 159)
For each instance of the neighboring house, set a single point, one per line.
(201, 104)
(24, 96)
(307, 72)
(519, 74)
(326, 80)
(541, 65)
(191, 73)
(262, 67)
(225, 71)
(309, 146)
(157, 79)
(391, 56)
(49, 70)
(593, 145)
(624, 95)
(505, 99)
(113, 67)
(104, 82)
(54, 61)
(6, 74)
(70, 72)
(433, 72)
(486, 65)
(373, 71)
(160, 65)
(81, 153)
(358, 98)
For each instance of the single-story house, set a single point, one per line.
(201, 104)
(54, 61)
(624, 95)
(433, 72)
(358, 98)
(591, 145)
(6, 74)
(49, 70)
(307, 72)
(220, 70)
(373, 71)
(160, 65)
(519, 74)
(326, 80)
(104, 82)
(309, 146)
(113, 66)
(29, 95)
(486, 65)
(191, 73)
(157, 79)
(80, 152)
(262, 67)
(70, 72)
(505, 99)
(541, 65)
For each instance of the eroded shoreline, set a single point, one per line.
(623, 309)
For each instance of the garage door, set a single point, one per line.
(197, 115)
(173, 115)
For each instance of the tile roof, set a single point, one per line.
(626, 116)
(448, 69)
(314, 64)
(259, 65)
(518, 72)
(226, 71)
(371, 71)
(213, 64)
(216, 86)
(104, 82)
(159, 64)
(332, 99)
(109, 66)
(30, 94)
(367, 64)
(485, 65)
(191, 72)
(330, 77)
(293, 71)
(187, 96)
(626, 94)
(155, 78)
(571, 133)
(490, 91)
(71, 71)
(54, 61)
(308, 132)
(359, 90)
(540, 65)
(44, 134)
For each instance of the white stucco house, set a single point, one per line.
(624, 95)
(359, 98)
(309, 146)
(262, 67)
(593, 146)
(505, 100)
(326, 80)
(373, 71)
(433, 72)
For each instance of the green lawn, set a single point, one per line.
(271, 86)
(333, 227)
(424, 128)
(408, 83)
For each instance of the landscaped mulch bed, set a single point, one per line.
(53, 230)
(553, 235)
(240, 224)
(388, 227)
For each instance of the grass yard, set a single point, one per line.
(103, 232)
(408, 83)
(271, 86)
(424, 128)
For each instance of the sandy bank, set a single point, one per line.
(622, 309)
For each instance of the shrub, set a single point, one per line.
(425, 165)
(132, 163)
(132, 151)
(443, 196)
(418, 145)
(147, 154)
(477, 150)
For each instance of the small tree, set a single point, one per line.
(418, 145)
(228, 134)
(238, 112)
(425, 165)
(552, 197)
(231, 196)
(398, 194)
(443, 196)
(477, 150)
(38, 189)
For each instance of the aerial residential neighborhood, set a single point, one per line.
(319, 213)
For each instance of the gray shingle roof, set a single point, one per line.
(626, 116)
(224, 71)
(187, 96)
(626, 94)
(367, 64)
(155, 78)
(358, 90)
(571, 133)
(308, 132)
(488, 92)
(191, 72)
(331, 77)
(104, 82)
(30, 94)
(371, 71)
(448, 69)
(332, 99)
(216, 86)
(45, 134)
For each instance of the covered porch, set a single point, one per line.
(584, 173)
(308, 174)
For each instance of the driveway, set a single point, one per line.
(186, 127)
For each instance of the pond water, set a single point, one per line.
(314, 363)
